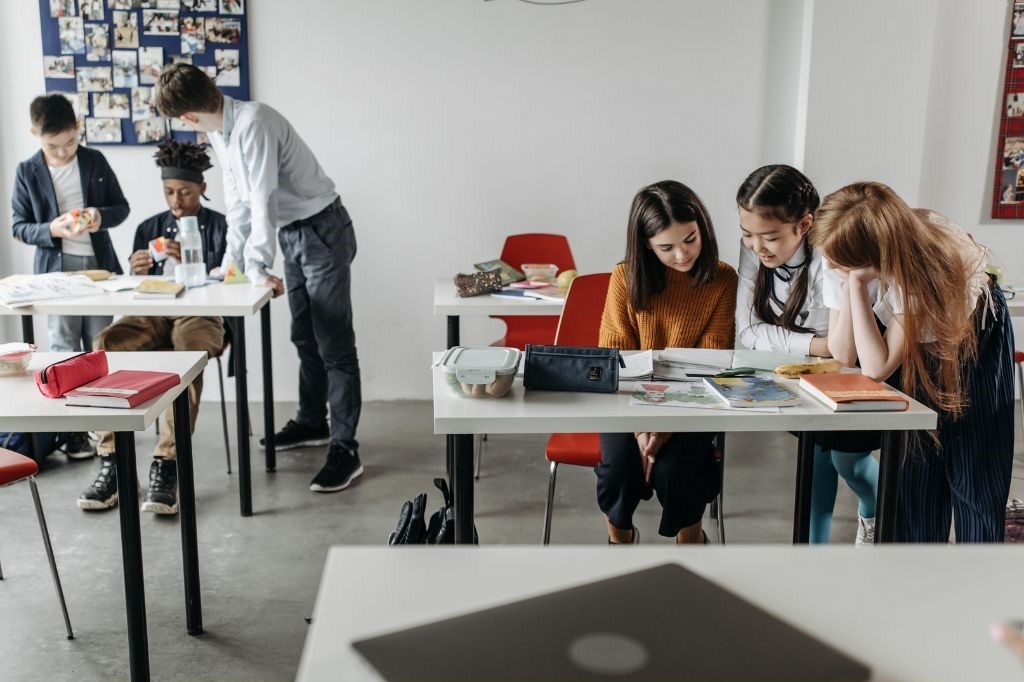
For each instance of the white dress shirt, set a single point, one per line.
(756, 334)
(271, 179)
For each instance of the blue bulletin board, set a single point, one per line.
(105, 56)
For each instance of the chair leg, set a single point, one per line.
(719, 506)
(49, 554)
(551, 503)
(223, 413)
(480, 440)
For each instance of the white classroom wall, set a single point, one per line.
(451, 123)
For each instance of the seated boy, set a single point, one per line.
(181, 168)
(65, 199)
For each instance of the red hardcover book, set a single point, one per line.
(853, 393)
(125, 388)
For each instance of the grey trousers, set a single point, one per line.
(75, 333)
(318, 252)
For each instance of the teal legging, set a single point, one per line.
(858, 469)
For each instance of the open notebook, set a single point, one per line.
(682, 364)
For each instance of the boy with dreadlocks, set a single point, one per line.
(181, 169)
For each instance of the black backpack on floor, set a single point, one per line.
(440, 530)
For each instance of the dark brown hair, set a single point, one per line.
(183, 89)
(655, 208)
(52, 114)
(781, 193)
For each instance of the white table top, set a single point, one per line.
(447, 303)
(24, 408)
(562, 412)
(1016, 305)
(216, 298)
(912, 613)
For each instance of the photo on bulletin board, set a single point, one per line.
(106, 55)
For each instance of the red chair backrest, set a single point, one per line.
(538, 248)
(580, 322)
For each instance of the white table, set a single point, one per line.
(1016, 306)
(448, 304)
(911, 613)
(23, 408)
(560, 412)
(234, 302)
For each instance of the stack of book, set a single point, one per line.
(122, 389)
(158, 288)
(853, 393)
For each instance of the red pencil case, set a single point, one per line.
(57, 379)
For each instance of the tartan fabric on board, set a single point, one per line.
(1008, 190)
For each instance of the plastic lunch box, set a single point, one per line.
(480, 372)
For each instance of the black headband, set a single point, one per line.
(174, 173)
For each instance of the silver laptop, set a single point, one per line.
(661, 624)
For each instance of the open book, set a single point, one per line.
(22, 290)
(692, 364)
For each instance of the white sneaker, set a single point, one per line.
(865, 531)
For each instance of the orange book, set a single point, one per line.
(853, 393)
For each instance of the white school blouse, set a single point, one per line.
(756, 334)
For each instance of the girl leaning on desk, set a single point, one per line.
(780, 307)
(670, 291)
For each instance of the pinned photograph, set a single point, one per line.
(72, 35)
(232, 7)
(126, 29)
(110, 105)
(62, 8)
(1018, 55)
(210, 71)
(142, 104)
(119, 4)
(221, 30)
(79, 102)
(97, 43)
(1015, 104)
(94, 78)
(199, 5)
(229, 72)
(181, 59)
(149, 130)
(126, 69)
(91, 10)
(193, 35)
(103, 130)
(59, 67)
(1017, 30)
(1009, 187)
(151, 63)
(158, 22)
(168, 4)
(1013, 152)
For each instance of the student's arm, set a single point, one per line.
(259, 153)
(618, 324)
(25, 227)
(879, 355)
(721, 329)
(115, 207)
(239, 225)
(756, 334)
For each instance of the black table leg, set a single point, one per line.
(890, 458)
(453, 331)
(268, 391)
(28, 332)
(131, 556)
(804, 480)
(462, 488)
(187, 507)
(453, 340)
(242, 412)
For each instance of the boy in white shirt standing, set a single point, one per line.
(275, 190)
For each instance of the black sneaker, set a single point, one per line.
(342, 468)
(78, 446)
(102, 494)
(296, 435)
(162, 496)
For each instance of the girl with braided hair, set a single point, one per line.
(780, 307)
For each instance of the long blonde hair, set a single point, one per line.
(867, 224)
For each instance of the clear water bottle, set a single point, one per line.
(192, 271)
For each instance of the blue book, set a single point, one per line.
(751, 391)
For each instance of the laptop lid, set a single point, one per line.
(661, 624)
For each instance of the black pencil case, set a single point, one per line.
(571, 368)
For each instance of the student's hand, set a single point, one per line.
(863, 275)
(91, 220)
(819, 347)
(140, 262)
(60, 228)
(276, 284)
(1014, 640)
(650, 444)
(173, 250)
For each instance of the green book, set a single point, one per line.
(508, 273)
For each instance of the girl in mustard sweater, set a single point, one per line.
(671, 291)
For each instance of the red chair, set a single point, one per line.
(580, 325)
(14, 468)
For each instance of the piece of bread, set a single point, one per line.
(829, 366)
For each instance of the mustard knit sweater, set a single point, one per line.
(681, 316)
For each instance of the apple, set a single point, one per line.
(565, 278)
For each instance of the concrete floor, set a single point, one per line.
(260, 575)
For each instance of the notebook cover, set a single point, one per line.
(125, 388)
(848, 388)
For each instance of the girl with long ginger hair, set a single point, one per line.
(946, 331)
